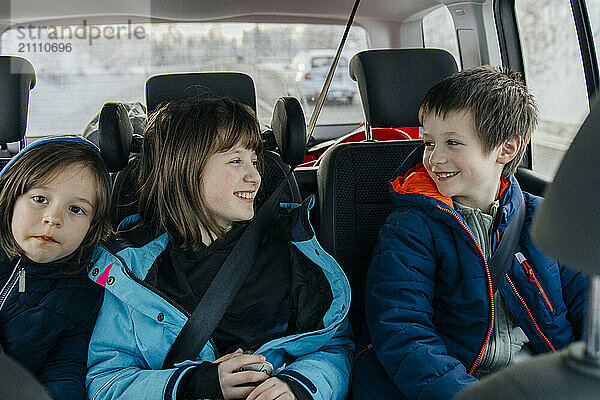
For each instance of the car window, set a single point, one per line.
(317, 62)
(554, 74)
(438, 32)
(80, 67)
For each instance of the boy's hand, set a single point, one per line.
(230, 381)
(271, 389)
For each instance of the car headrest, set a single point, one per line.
(393, 82)
(136, 112)
(17, 78)
(289, 129)
(163, 88)
(115, 134)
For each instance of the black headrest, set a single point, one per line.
(393, 82)
(169, 87)
(289, 129)
(115, 134)
(17, 78)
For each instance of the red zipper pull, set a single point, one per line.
(523, 261)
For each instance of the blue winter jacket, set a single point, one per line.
(429, 302)
(136, 327)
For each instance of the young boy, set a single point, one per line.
(435, 324)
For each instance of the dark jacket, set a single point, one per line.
(47, 312)
(429, 302)
(47, 326)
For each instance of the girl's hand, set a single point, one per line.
(228, 356)
(230, 381)
(271, 389)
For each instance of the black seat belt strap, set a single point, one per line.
(504, 253)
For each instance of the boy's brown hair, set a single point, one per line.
(178, 140)
(499, 103)
(40, 165)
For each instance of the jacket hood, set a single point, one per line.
(412, 186)
(66, 138)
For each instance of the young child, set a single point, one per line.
(199, 177)
(433, 320)
(55, 200)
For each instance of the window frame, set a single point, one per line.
(512, 55)
(586, 47)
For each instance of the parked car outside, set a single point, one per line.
(308, 72)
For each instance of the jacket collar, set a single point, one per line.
(51, 270)
(412, 186)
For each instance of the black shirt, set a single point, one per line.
(262, 309)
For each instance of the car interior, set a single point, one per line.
(350, 182)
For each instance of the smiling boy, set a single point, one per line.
(435, 322)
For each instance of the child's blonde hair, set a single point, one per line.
(179, 139)
(40, 165)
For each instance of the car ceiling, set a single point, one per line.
(24, 11)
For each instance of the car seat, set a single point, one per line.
(17, 78)
(353, 178)
(167, 87)
(115, 132)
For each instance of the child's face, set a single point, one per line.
(455, 160)
(229, 185)
(50, 221)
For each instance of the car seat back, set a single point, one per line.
(393, 82)
(354, 203)
(17, 78)
(163, 88)
(353, 178)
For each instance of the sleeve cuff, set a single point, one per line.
(200, 382)
(174, 381)
(299, 391)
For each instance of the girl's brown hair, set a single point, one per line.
(40, 165)
(179, 139)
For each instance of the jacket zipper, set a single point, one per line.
(535, 325)
(17, 275)
(489, 282)
(523, 261)
(363, 350)
(214, 345)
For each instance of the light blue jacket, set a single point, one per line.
(137, 326)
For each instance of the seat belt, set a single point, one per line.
(502, 257)
(224, 286)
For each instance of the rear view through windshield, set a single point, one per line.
(81, 67)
